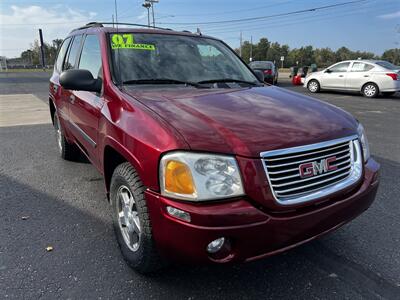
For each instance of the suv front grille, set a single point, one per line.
(309, 172)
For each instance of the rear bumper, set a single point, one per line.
(390, 86)
(252, 233)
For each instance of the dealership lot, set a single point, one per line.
(49, 202)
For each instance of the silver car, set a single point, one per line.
(370, 77)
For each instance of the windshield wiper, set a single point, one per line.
(160, 81)
(229, 80)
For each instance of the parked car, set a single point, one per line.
(268, 68)
(370, 77)
(201, 161)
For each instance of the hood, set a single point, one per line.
(247, 121)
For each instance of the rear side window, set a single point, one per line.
(61, 54)
(361, 67)
(73, 53)
(91, 56)
(342, 67)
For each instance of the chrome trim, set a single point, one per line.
(311, 159)
(353, 176)
(84, 134)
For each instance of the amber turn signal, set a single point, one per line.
(178, 178)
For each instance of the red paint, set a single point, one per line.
(143, 124)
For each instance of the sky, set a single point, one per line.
(369, 25)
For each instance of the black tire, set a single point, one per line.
(370, 90)
(145, 259)
(313, 86)
(67, 150)
(388, 94)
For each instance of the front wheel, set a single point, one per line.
(370, 90)
(313, 86)
(132, 221)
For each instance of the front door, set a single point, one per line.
(85, 107)
(335, 77)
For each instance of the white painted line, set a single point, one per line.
(23, 109)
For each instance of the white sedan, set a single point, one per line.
(370, 77)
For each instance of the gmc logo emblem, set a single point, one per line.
(315, 168)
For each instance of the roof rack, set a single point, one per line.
(101, 24)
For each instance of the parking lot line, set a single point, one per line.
(22, 109)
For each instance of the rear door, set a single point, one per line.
(335, 77)
(85, 107)
(359, 73)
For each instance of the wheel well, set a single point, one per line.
(52, 110)
(112, 159)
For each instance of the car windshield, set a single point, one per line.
(261, 65)
(143, 58)
(387, 65)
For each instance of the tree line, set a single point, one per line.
(305, 56)
(263, 50)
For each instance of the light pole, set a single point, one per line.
(147, 5)
(151, 2)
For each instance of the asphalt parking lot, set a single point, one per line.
(46, 201)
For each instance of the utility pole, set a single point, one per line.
(42, 48)
(251, 48)
(240, 49)
(147, 5)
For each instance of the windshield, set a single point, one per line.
(144, 57)
(387, 65)
(261, 65)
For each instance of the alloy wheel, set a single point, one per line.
(59, 137)
(128, 218)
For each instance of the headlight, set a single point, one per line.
(199, 177)
(364, 141)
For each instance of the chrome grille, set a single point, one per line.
(283, 169)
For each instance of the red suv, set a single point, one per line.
(202, 161)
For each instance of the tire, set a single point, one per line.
(131, 221)
(313, 86)
(388, 94)
(370, 90)
(67, 150)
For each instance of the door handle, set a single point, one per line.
(366, 75)
(340, 75)
(72, 99)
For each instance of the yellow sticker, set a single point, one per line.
(126, 41)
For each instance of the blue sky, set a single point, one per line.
(371, 25)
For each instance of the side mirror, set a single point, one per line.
(80, 80)
(259, 74)
(328, 71)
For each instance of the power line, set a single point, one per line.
(266, 17)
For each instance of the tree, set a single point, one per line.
(392, 55)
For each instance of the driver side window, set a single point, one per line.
(342, 67)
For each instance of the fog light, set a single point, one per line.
(215, 245)
(179, 214)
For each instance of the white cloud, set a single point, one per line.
(394, 15)
(20, 27)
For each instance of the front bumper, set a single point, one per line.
(252, 233)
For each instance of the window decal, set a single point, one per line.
(127, 41)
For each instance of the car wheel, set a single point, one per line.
(313, 86)
(131, 220)
(67, 150)
(370, 90)
(388, 94)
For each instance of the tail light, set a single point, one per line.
(268, 72)
(393, 75)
